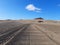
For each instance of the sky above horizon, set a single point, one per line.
(30, 9)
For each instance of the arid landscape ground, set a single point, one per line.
(29, 32)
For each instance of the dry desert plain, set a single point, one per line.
(29, 32)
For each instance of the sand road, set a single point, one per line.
(27, 34)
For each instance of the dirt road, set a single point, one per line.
(28, 34)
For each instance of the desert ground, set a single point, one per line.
(29, 32)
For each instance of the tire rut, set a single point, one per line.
(47, 34)
(6, 38)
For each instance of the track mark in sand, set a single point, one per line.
(37, 37)
(33, 35)
(11, 36)
(49, 34)
(20, 38)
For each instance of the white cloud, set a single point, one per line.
(31, 7)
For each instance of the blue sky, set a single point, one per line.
(30, 9)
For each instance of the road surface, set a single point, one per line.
(27, 34)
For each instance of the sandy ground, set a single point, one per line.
(29, 33)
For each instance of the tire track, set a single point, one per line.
(49, 34)
(5, 27)
(7, 37)
(22, 38)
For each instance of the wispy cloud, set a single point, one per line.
(31, 7)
